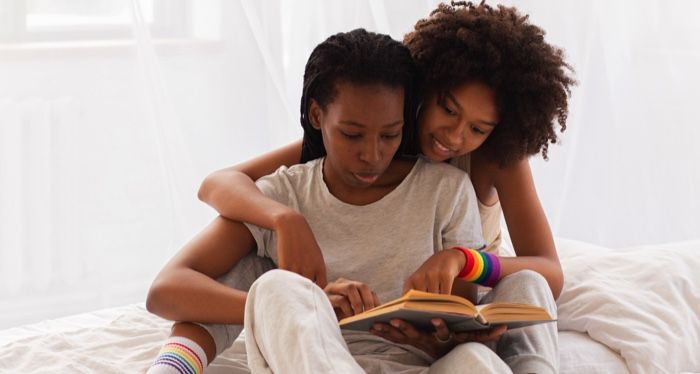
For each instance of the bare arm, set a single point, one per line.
(186, 289)
(528, 227)
(233, 193)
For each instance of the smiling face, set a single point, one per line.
(361, 130)
(456, 122)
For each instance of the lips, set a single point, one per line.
(367, 178)
(440, 149)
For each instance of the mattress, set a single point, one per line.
(127, 338)
(635, 310)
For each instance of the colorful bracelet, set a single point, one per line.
(480, 267)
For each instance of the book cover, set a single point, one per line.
(418, 308)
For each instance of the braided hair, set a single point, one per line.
(359, 57)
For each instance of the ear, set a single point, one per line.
(315, 114)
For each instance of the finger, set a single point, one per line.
(446, 284)
(341, 302)
(389, 332)
(496, 332)
(335, 288)
(355, 299)
(345, 308)
(433, 283)
(441, 330)
(366, 295)
(419, 283)
(406, 328)
(376, 299)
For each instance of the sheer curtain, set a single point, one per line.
(108, 127)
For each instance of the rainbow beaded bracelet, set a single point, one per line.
(481, 267)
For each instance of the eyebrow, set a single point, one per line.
(449, 95)
(357, 124)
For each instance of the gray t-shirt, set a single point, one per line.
(384, 242)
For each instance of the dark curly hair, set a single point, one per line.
(463, 42)
(360, 57)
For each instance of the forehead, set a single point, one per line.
(475, 97)
(372, 102)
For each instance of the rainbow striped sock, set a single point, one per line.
(179, 356)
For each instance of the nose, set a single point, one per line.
(371, 152)
(455, 135)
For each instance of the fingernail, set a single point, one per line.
(396, 324)
(435, 322)
(378, 327)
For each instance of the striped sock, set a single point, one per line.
(179, 356)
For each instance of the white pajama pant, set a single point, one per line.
(291, 328)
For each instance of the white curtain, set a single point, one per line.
(104, 139)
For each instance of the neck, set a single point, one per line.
(387, 182)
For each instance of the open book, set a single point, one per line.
(418, 308)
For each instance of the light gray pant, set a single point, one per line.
(526, 350)
(291, 328)
(532, 349)
(240, 277)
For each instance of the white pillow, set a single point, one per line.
(643, 303)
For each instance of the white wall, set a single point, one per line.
(102, 149)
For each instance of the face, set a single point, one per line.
(458, 122)
(361, 131)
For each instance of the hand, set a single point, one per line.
(297, 250)
(436, 344)
(437, 273)
(350, 297)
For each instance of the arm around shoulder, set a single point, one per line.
(234, 195)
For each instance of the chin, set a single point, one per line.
(431, 156)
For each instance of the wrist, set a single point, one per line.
(285, 217)
(460, 259)
(480, 267)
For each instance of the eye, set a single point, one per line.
(391, 136)
(478, 130)
(350, 136)
(449, 111)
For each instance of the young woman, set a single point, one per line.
(353, 114)
(493, 91)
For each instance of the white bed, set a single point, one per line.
(635, 310)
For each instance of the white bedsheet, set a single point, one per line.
(606, 297)
(126, 340)
(642, 302)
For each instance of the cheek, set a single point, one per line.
(475, 142)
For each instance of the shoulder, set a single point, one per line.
(290, 178)
(442, 171)
(444, 179)
(492, 180)
(294, 171)
(484, 168)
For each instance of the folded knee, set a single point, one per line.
(276, 281)
(527, 276)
